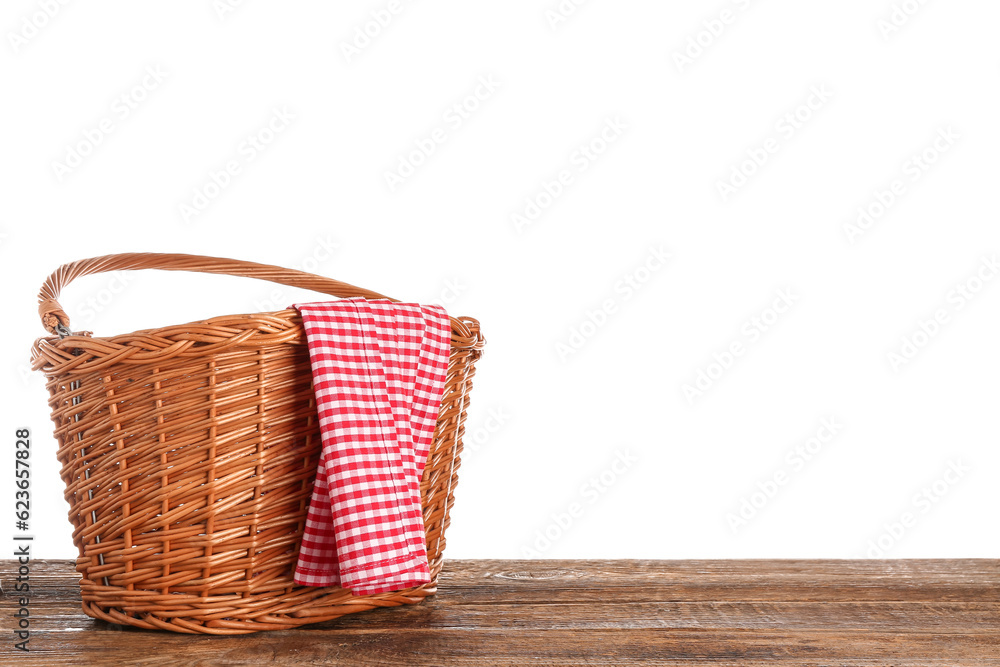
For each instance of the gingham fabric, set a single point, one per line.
(379, 371)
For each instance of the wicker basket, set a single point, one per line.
(189, 454)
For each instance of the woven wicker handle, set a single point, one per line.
(53, 315)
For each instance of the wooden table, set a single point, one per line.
(570, 612)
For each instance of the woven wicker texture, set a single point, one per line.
(189, 452)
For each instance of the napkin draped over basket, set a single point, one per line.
(189, 454)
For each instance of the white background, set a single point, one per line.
(317, 196)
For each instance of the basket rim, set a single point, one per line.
(82, 352)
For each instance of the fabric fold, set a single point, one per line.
(379, 371)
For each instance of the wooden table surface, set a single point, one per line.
(571, 612)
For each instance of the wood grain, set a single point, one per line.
(751, 612)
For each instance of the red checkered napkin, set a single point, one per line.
(379, 372)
